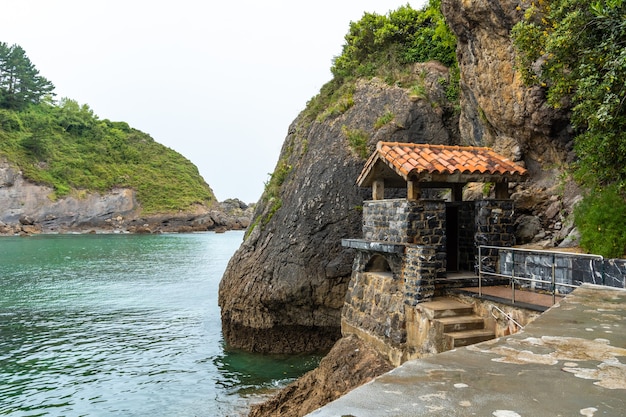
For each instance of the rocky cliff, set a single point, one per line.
(284, 288)
(26, 207)
(350, 363)
(499, 111)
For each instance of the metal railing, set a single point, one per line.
(535, 268)
(505, 314)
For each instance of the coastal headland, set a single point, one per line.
(26, 208)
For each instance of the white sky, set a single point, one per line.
(219, 82)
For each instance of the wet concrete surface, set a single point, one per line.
(571, 361)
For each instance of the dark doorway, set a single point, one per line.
(452, 238)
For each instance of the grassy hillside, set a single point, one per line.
(68, 147)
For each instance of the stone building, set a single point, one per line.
(410, 243)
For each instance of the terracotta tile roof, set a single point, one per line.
(440, 163)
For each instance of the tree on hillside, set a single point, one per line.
(20, 82)
(386, 46)
(576, 50)
(404, 36)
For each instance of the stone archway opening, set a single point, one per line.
(377, 263)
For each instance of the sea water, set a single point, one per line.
(124, 325)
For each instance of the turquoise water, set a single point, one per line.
(123, 325)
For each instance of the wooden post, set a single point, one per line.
(457, 192)
(413, 190)
(378, 190)
(502, 190)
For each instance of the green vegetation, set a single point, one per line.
(271, 194)
(277, 178)
(357, 140)
(20, 82)
(576, 49)
(418, 91)
(381, 46)
(66, 146)
(453, 89)
(384, 46)
(402, 37)
(601, 220)
(384, 119)
(341, 101)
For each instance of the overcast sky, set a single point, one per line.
(219, 82)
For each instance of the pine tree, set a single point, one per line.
(20, 82)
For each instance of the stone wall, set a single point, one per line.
(374, 307)
(614, 273)
(404, 221)
(376, 295)
(419, 272)
(388, 280)
(402, 252)
(421, 222)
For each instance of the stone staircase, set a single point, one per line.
(457, 321)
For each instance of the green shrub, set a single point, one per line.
(10, 121)
(277, 178)
(574, 50)
(601, 221)
(36, 145)
(384, 119)
(385, 46)
(403, 36)
(357, 140)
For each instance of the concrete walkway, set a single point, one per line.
(571, 361)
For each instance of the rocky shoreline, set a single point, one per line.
(349, 364)
(27, 208)
(230, 215)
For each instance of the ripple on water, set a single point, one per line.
(123, 325)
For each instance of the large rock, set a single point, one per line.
(284, 288)
(349, 364)
(497, 109)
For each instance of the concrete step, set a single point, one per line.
(469, 337)
(461, 323)
(445, 307)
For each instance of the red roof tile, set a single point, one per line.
(425, 162)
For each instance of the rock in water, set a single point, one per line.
(359, 363)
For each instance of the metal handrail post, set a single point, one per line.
(480, 272)
(513, 276)
(553, 279)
